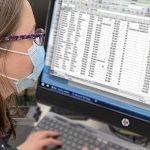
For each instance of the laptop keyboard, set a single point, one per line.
(75, 136)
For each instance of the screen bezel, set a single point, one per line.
(98, 112)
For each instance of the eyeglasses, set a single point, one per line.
(38, 36)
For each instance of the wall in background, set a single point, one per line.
(40, 8)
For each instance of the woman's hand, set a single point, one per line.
(85, 148)
(39, 140)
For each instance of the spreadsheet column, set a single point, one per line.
(60, 45)
(105, 39)
(120, 49)
(133, 58)
(79, 45)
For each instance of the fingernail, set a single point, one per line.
(57, 132)
(62, 143)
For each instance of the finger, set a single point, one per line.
(45, 134)
(85, 148)
(50, 141)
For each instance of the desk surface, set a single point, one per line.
(92, 123)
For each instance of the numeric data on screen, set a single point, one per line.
(103, 47)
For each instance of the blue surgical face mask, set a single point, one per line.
(36, 54)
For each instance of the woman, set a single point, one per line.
(20, 68)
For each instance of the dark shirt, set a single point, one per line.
(5, 146)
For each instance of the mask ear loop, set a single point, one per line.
(13, 51)
(8, 77)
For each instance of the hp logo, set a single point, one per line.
(125, 122)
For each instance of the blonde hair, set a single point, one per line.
(10, 14)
